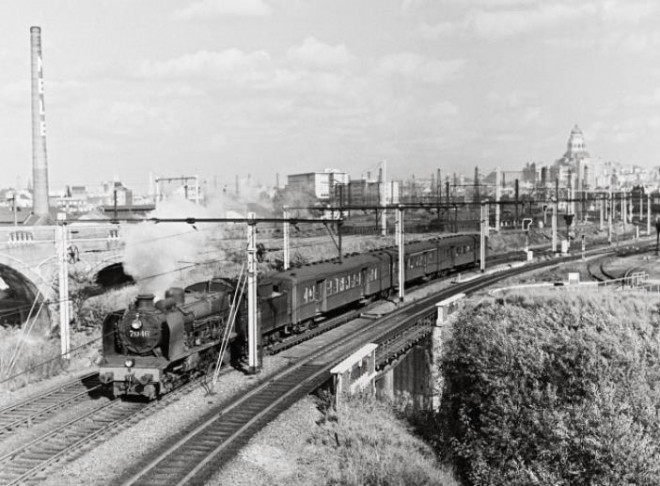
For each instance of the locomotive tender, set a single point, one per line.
(151, 347)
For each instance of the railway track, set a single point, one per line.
(30, 462)
(37, 408)
(192, 457)
(597, 267)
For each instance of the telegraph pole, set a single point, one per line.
(383, 198)
(401, 247)
(554, 227)
(602, 214)
(498, 196)
(648, 216)
(609, 219)
(287, 256)
(254, 357)
(482, 236)
(64, 291)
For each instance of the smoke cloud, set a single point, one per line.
(159, 256)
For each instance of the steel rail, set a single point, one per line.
(35, 407)
(28, 460)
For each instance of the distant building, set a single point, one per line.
(575, 168)
(362, 192)
(318, 183)
(22, 199)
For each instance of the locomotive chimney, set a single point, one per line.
(145, 302)
(39, 163)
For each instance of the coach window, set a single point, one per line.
(341, 284)
(328, 287)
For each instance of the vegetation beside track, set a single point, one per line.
(554, 388)
(361, 442)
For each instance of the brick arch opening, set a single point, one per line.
(112, 276)
(24, 294)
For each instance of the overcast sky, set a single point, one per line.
(226, 87)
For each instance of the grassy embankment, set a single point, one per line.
(35, 350)
(554, 388)
(365, 442)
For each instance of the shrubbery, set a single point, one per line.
(555, 389)
(363, 443)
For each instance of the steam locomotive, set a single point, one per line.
(152, 347)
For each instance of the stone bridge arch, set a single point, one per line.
(112, 264)
(29, 285)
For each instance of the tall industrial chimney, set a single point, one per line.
(39, 161)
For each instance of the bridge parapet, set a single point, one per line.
(17, 236)
(447, 308)
(356, 373)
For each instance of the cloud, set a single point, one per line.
(229, 64)
(421, 68)
(628, 12)
(443, 110)
(636, 42)
(505, 18)
(411, 5)
(436, 31)
(315, 54)
(205, 9)
(505, 23)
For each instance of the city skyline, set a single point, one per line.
(260, 87)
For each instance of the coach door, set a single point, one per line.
(320, 297)
(363, 282)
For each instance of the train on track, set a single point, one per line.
(153, 346)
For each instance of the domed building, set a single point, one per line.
(576, 149)
(574, 168)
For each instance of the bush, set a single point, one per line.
(363, 443)
(555, 389)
